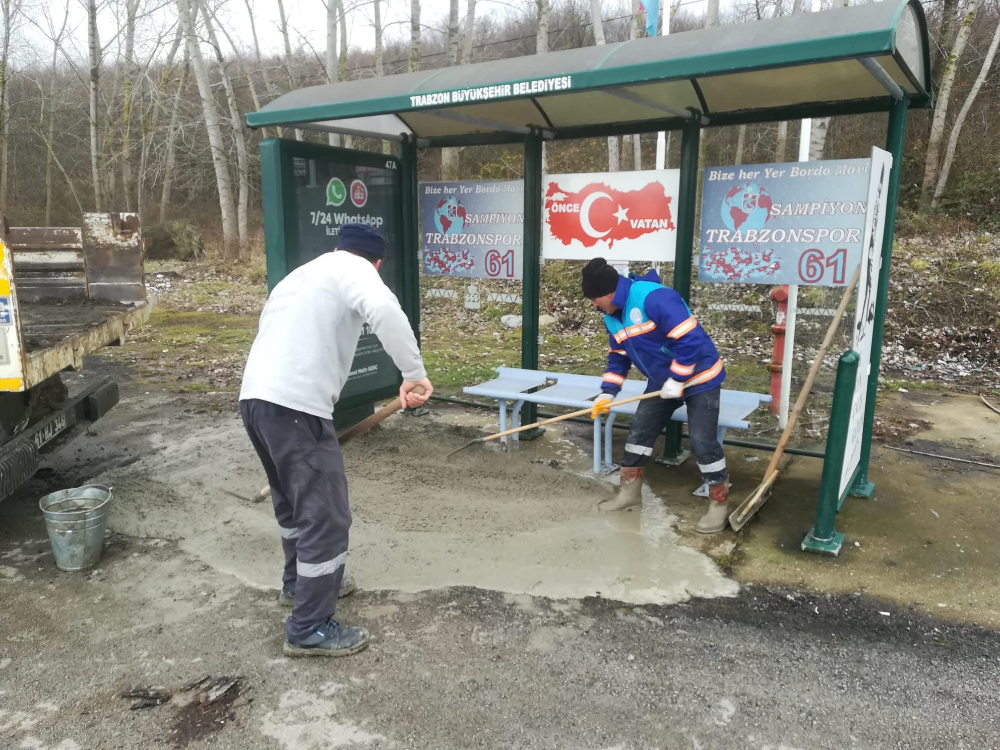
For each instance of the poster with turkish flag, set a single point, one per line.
(614, 215)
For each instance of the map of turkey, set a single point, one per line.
(599, 213)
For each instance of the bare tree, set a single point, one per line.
(817, 137)
(933, 164)
(449, 156)
(289, 68)
(945, 38)
(330, 61)
(542, 32)
(10, 10)
(614, 152)
(172, 130)
(454, 33)
(470, 31)
(414, 62)
(635, 140)
(219, 161)
(95, 54)
(131, 10)
(963, 113)
(268, 86)
(236, 121)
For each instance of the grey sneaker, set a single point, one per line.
(287, 597)
(330, 639)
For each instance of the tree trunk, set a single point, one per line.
(454, 33)
(956, 129)
(414, 62)
(131, 9)
(342, 68)
(741, 140)
(379, 55)
(69, 180)
(94, 50)
(260, 64)
(219, 161)
(597, 21)
(541, 48)
(49, 153)
(330, 60)
(168, 168)
(283, 17)
(470, 32)
(817, 137)
(781, 144)
(542, 32)
(7, 10)
(933, 163)
(946, 37)
(236, 121)
(449, 156)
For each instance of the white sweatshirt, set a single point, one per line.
(309, 331)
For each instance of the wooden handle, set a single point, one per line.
(800, 402)
(380, 416)
(571, 415)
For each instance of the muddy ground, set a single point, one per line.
(505, 610)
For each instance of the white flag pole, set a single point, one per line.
(661, 137)
(787, 359)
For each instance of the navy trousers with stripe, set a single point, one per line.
(305, 468)
(652, 416)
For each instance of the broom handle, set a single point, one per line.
(572, 414)
(800, 402)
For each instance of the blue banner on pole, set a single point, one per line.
(472, 229)
(652, 10)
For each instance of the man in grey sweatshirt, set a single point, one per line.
(297, 367)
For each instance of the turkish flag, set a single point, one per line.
(599, 213)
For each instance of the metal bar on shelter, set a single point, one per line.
(895, 141)
(879, 74)
(410, 233)
(687, 205)
(354, 133)
(532, 256)
(631, 96)
(824, 538)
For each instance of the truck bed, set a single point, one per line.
(58, 334)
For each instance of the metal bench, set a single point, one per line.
(579, 391)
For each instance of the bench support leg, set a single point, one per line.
(516, 421)
(609, 431)
(597, 445)
(503, 419)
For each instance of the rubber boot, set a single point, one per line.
(715, 519)
(630, 492)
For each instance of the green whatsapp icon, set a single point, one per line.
(336, 193)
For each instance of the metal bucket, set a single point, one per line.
(75, 520)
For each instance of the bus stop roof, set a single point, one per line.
(840, 61)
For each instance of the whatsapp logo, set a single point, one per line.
(336, 193)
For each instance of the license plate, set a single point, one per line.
(50, 430)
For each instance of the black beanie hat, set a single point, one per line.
(599, 279)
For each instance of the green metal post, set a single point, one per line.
(531, 285)
(273, 192)
(687, 207)
(824, 538)
(410, 234)
(895, 140)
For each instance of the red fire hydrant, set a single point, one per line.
(780, 296)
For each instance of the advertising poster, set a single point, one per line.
(864, 316)
(789, 223)
(472, 229)
(620, 216)
(348, 187)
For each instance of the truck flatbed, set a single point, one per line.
(58, 334)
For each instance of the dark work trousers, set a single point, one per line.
(305, 469)
(703, 430)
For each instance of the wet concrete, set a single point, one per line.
(510, 523)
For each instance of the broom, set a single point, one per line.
(739, 517)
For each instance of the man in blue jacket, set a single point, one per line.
(650, 326)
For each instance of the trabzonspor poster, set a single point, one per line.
(790, 223)
(616, 215)
(473, 229)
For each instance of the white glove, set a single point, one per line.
(672, 389)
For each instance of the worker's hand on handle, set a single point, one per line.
(601, 405)
(410, 395)
(672, 389)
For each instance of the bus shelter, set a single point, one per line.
(851, 60)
